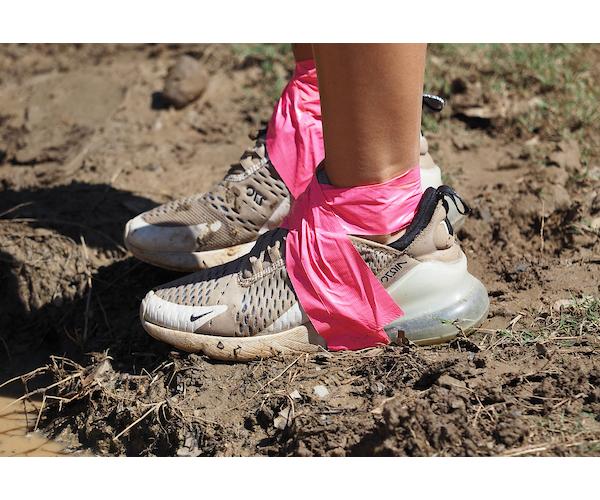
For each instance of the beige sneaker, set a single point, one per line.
(222, 224)
(247, 309)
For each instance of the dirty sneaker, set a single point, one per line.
(247, 309)
(222, 224)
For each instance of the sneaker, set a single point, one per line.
(218, 226)
(247, 309)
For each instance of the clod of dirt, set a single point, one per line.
(566, 156)
(555, 198)
(186, 81)
(556, 175)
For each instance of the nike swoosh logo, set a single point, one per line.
(194, 318)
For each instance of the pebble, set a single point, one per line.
(284, 419)
(321, 391)
(450, 382)
(562, 304)
(186, 81)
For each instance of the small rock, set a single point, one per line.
(186, 81)
(190, 447)
(322, 358)
(152, 167)
(486, 215)
(302, 450)
(561, 304)
(541, 349)
(284, 419)
(595, 223)
(321, 391)
(295, 394)
(457, 404)
(450, 382)
(521, 267)
(534, 141)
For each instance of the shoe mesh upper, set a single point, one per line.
(260, 298)
(235, 209)
(241, 207)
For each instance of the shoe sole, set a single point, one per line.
(187, 262)
(458, 306)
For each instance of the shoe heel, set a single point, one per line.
(439, 301)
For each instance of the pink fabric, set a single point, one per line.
(295, 132)
(343, 299)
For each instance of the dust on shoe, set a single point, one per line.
(247, 309)
(222, 224)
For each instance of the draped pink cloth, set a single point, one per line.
(295, 132)
(345, 302)
(343, 299)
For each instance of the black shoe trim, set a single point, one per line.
(427, 205)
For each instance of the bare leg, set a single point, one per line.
(371, 107)
(302, 51)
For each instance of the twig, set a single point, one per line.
(543, 219)
(21, 377)
(278, 376)
(545, 446)
(26, 415)
(269, 382)
(155, 407)
(89, 294)
(37, 420)
(16, 207)
(42, 390)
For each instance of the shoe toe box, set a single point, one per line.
(180, 317)
(148, 237)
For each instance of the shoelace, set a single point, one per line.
(448, 192)
(269, 244)
(252, 157)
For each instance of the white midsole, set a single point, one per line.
(430, 286)
(191, 261)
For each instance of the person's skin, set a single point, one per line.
(302, 51)
(371, 109)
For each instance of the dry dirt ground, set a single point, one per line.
(87, 142)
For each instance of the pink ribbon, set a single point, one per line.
(343, 299)
(295, 133)
(345, 302)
